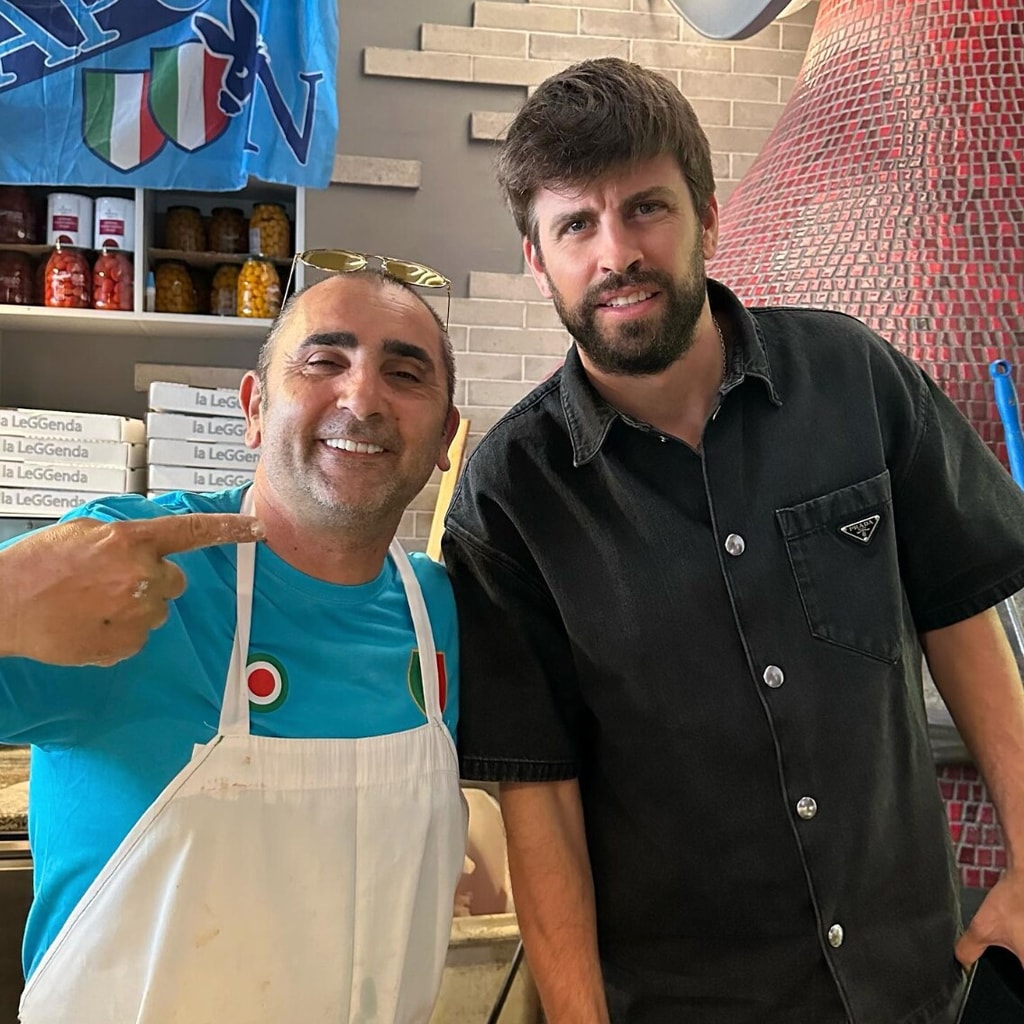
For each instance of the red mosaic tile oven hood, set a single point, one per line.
(892, 188)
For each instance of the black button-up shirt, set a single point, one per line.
(722, 646)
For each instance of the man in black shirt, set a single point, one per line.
(695, 571)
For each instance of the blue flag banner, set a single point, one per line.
(197, 94)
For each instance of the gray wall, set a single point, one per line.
(89, 373)
(455, 221)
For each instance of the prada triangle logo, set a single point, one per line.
(862, 530)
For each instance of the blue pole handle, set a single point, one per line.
(1006, 403)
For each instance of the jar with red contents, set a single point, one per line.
(17, 216)
(16, 279)
(113, 280)
(68, 281)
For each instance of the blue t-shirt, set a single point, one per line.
(324, 661)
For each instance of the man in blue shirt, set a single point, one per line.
(257, 817)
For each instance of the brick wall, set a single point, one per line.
(978, 842)
(506, 337)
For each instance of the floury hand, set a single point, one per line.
(88, 592)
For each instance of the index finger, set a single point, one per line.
(177, 533)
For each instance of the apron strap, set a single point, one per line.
(234, 711)
(424, 634)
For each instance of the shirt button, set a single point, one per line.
(735, 544)
(835, 936)
(774, 676)
(663, 439)
(807, 808)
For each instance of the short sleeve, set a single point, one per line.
(48, 705)
(54, 706)
(437, 593)
(520, 703)
(959, 517)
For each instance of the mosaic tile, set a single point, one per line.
(891, 188)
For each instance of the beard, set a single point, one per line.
(333, 500)
(645, 346)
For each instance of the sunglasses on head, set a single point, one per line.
(343, 261)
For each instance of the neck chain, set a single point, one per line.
(721, 344)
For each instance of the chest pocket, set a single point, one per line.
(842, 549)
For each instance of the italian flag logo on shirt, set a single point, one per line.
(416, 681)
(268, 682)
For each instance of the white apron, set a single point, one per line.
(274, 881)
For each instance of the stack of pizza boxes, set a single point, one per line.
(196, 439)
(52, 461)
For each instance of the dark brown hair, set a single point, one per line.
(591, 118)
